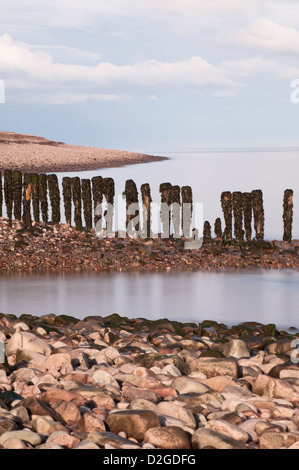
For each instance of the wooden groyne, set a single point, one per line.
(38, 197)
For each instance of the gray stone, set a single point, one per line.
(215, 367)
(168, 437)
(235, 348)
(204, 437)
(187, 384)
(24, 435)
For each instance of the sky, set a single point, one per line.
(152, 75)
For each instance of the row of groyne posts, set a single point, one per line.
(27, 197)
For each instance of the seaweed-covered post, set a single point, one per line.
(67, 199)
(76, 193)
(131, 194)
(288, 215)
(238, 215)
(8, 194)
(1, 195)
(87, 203)
(226, 205)
(187, 209)
(17, 186)
(43, 194)
(207, 230)
(54, 194)
(35, 196)
(258, 213)
(97, 194)
(146, 202)
(218, 228)
(165, 190)
(27, 200)
(176, 210)
(109, 193)
(247, 213)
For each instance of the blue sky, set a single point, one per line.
(151, 75)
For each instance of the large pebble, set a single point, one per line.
(228, 429)
(168, 437)
(27, 341)
(215, 367)
(25, 435)
(205, 437)
(235, 348)
(133, 423)
(187, 384)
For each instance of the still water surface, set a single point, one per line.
(230, 297)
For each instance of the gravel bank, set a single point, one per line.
(36, 154)
(59, 247)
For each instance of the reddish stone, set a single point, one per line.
(68, 410)
(90, 422)
(55, 395)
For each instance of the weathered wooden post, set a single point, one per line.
(1, 195)
(76, 193)
(288, 215)
(109, 193)
(8, 194)
(87, 203)
(165, 190)
(67, 199)
(43, 193)
(131, 195)
(238, 215)
(146, 202)
(27, 200)
(17, 185)
(207, 230)
(218, 228)
(109, 190)
(187, 210)
(54, 194)
(247, 213)
(35, 196)
(97, 194)
(226, 204)
(176, 210)
(258, 213)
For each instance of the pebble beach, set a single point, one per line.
(129, 383)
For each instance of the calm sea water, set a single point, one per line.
(230, 297)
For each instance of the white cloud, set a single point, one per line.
(38, 65)
(28, 68)
(224, 93)
(62, 53)
(64, 97)
(66, 13)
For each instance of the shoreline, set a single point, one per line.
(60, 248)
(36, 154)
(130, 383)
